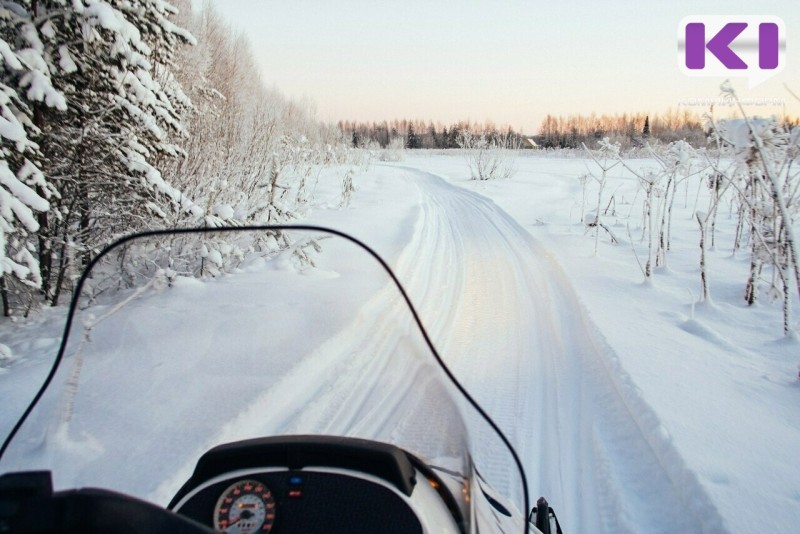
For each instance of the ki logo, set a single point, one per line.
(726, 46)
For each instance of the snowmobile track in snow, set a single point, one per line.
(508, 323)
(511, 327)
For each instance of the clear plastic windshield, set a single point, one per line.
(183, 342)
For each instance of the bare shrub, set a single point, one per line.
(489, 158)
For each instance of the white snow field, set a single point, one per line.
(632, 410)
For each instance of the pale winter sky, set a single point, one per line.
(509, 61)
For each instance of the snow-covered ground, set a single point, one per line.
(632, 410)
(714, 392)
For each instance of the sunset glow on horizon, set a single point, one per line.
(509, 62)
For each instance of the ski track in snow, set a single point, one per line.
(512, 329)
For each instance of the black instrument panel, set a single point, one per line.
(300, 501)
(303, 484)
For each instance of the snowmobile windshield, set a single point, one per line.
(179, 342)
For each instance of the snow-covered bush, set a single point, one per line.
(606, 157)
(675, 163)
(395, 150)
(249, 147)
(764, 153)
(489, 158)
(750, 165)
(347, 188)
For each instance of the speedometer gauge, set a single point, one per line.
(245, 507)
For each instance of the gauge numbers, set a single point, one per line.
(245, 507)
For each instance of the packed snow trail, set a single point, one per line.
(498, 307)
(508, 323)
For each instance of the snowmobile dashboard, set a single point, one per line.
(269, 485)
(316, 484)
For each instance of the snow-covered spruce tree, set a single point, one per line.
(98, 147)
(23, 189)
(412, 138)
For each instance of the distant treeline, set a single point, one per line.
(421, 134)
(630, 130)
(627, 129)
(554, 132)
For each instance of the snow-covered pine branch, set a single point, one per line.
(90, 84)
(25, 84)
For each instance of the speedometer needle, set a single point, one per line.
(246, 514)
